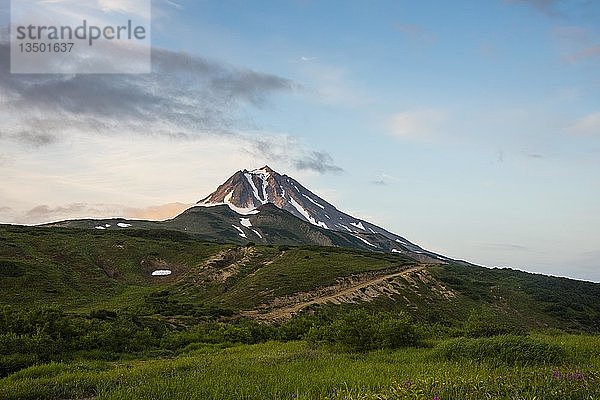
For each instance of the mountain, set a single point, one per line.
(245, 191)
(265, 207)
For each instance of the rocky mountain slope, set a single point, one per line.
(263, 206)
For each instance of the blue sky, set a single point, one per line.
(470, 127)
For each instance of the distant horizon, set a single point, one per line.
(470, 128)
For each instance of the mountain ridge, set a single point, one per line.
(246, 190)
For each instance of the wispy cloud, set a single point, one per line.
(586, 53)
(44, 213)
(331, 84)
(186, 97)
(383, 180)
(414, 124)
(317, 161)
(416, 33)
(547, 7)
(504, 247)
(587, 125)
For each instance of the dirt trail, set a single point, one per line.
(287, 312)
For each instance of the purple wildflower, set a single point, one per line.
(557, 375)
(576, 376)
(436, 397)
(408, 384)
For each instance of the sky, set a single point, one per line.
(470, 127)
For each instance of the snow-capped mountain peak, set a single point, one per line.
(245, 191)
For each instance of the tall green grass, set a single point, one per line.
(291, 370)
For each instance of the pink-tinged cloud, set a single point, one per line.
(590, 52)
(588, 125)
(157, 213)
(44, 213)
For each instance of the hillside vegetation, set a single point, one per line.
(82, 316)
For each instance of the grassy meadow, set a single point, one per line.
(300, 370)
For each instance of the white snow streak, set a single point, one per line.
(359, 225)
(364, 240)
(246, 222)
(257, 234)
(123, 225)
(241, 232)
(254, 189)
(314, 202)
(162, 272)
(306, 215)
(345, 227)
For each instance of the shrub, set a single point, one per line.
(15, 362)
(360, 331)
(487, 323)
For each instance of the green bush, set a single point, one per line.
(359, 330)
(503, 350)
(487, 323)
(15, 362)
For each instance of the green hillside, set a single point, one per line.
(83, 270)
(83, 316)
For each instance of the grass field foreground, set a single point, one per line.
(296, 370)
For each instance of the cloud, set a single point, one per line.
(184, 95)
(417, 123)
(572, 34)
(588, 125)
(416, 32)
(317, 161)
(586, 53)
(185, 98)
(44, 213)
(157, 213)
(383, 180)
(547, 7)
(330, 85)
(504, 247)
(174, 4)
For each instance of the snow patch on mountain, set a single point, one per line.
(254, 188)
(358, 225)
(365, 241)
(306, 214)
(313, 201)
(162, 272)
(345, 227)
(246, 222)
(241, 231)
(257, 234)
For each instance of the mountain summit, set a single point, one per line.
(264, 207)
(245, 191)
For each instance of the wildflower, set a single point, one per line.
(436, 397)
(408, 384)
(334, 392)
(576, 376)
(556, 375)
(295, 396)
